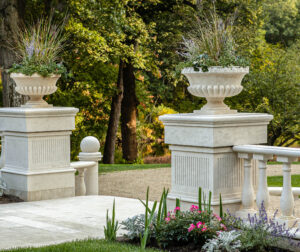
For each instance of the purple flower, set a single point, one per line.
(30, 49)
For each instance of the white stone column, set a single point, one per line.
(2, 153)
(89, 152)
(248, 191)
(202, 155)
(262, 194)
(287, 197)
(37, 152)
(82, 187)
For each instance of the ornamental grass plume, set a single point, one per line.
(43, 41)
(38, 47)
(211, 43)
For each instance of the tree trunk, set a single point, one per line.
(11, 13)
(109, 148)
(128, 115)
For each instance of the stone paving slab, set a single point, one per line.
(55, 221)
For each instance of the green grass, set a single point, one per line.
(103, 168)
(85, 246)
(276, 181)
(275, 163)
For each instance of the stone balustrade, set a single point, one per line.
(262, 154)
(2, 153)
(87, 167)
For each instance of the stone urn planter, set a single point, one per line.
(35, 86)
(215, 85)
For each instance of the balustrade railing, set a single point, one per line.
(2, 153)
(263, 154)
(87, 167)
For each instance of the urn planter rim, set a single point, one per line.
(217, 69)
(35, 75)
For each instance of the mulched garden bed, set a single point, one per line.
(9, 199)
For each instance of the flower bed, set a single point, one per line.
(199, 229)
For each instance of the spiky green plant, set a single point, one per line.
(149, 215)
(112, 226)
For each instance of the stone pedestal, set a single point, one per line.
(37, 152)
(202, 155)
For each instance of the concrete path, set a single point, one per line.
(56, 221)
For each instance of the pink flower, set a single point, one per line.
(192, 226)
(173, 216)
(199, 224)
(204, 229)
(167, 219)
(217, 217)
(194, 207)
(176, 209)
(168, 214)
(199, 212)
(223, 226)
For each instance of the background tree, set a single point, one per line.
(12, 13)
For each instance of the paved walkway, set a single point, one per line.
(56, 221)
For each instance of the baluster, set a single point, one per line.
(89, 147)
(262, 194)
(2, 157)
(82, 189)
(248, 191)
(287, 197)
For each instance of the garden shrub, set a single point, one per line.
(188, 227)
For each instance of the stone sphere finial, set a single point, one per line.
(89, 144)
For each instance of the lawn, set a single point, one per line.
(277, 181)
(104, 168)
(128, 167)
(85, 246)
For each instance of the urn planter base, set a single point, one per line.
(36, 103)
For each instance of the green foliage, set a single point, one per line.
(282, 23)
(221, 207)
(149, 215)
(112, 226)
(162, 209)
(29, 67)
(135, 226)
(272, 87)
(38, 47)
(174, 231)
(150, 132)
(200, 198)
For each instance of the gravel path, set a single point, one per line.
(133, 184)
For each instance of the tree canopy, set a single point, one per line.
(121, 56)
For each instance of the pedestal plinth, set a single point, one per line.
(37, 152)
(202, 155)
